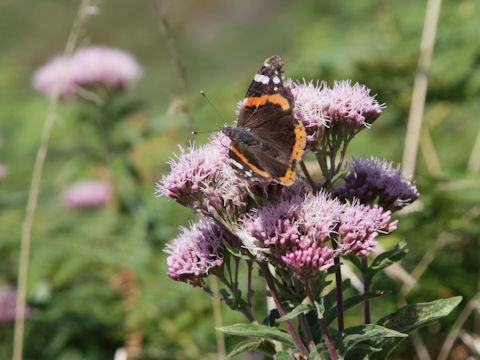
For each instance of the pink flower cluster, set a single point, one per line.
(296, 228)
(360, 225)
(195, 252)
(8, 305)
(87, 194)
(193, 170)
(320, 107)
(373, 180)
(88, 67)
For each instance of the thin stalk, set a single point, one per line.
(302, 320)
(366, 288)
(420, 86)
(339, 289)
(35, 190)
(271, 286)
(246, 312)
(323, 326)
(180, 69)
(308, 176)
(217, 315)
(249, 282)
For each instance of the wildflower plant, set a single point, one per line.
(300, 236)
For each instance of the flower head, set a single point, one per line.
(55, 76)
(309, 105)
(371, 180)
(195, 252)
(194, 170)
(87, 194)
(88, 67)
(295, 229)
(360, 225)
(100, 65)
(8, 298)
(350, 105)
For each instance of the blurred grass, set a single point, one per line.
(222, 44)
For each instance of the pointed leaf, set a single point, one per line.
(331, 314)
(242, 347)
(267, 332)
(387, 258)
(300, 309)
(371, 333)
(413, 316)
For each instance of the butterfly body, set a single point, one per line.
(268, 140)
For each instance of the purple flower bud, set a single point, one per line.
(372, 180)
(87, 194)
(8, 304)
(195, 252)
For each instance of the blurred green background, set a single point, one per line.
(83, 262)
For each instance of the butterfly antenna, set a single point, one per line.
(213, 106)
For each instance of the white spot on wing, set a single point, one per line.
(261, 78)
(275, 88)
(276, 80)
(237, 164)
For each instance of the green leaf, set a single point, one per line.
(413, 316)
(267, 332)
(356, 261)
(242, 347)
(284, 355)
(355, 335)
(236, 252)
(387, 346)
(339, 176)
(330, 299)
(300, 309)
(387, 258)
(331, 314)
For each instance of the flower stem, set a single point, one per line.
(308, 176)
(271, 286)
(339, 289)
(323, 326)
(366, 288)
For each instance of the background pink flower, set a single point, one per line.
(89, 66)
(87, 194)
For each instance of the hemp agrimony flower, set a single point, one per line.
(372, 180)
(89, 67)
(195, 252)
(87, 194)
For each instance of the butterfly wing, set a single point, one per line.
(278, 137)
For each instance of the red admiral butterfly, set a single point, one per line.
(268, 140)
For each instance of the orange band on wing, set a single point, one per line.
(245, 160)
(262, 100)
